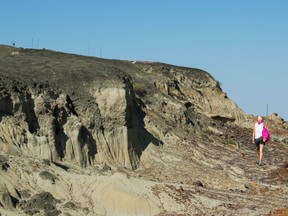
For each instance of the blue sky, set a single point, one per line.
(242, 43)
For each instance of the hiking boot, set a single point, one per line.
(260, 163)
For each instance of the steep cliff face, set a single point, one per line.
(49, 126)
(83, 121)
(91, 114)
(194, 88)
(90, 136)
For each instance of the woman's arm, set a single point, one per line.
(253, 135)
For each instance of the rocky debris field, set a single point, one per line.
(90, 136)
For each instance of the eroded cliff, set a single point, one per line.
(93, 136)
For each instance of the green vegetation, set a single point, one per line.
(139, 88)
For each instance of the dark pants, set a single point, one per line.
(258, 142)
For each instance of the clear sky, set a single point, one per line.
(242, 43)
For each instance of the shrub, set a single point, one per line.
(139, 88)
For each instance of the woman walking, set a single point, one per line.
(258, 139)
